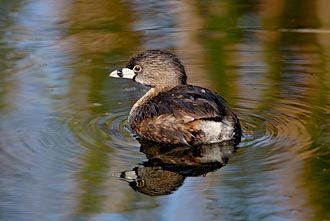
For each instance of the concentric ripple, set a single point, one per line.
(287, 124)
(106, 132)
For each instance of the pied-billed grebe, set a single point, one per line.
(173, 112)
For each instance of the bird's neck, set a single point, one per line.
(149, 95)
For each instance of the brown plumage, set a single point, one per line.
(173, 112)
(153, 181)
(168, 166)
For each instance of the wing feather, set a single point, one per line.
(169, 117)
(190, 102)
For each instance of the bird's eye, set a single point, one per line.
(139, 182)
(137, 68)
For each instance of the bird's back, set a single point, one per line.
(185, 115)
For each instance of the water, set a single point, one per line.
(63, 138)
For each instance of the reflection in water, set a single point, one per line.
(167, 167)
(152, 180)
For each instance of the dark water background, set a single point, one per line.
(62, 120)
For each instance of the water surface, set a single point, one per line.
(63, 122)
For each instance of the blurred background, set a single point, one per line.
(62, 120)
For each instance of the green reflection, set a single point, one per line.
(101, 33)
(218, 37)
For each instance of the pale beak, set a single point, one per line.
(128, 175)
(123, 73)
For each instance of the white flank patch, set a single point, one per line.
(216, 131)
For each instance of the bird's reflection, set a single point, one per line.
(167, 167)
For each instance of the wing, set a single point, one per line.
(187, 103)
(169, 117)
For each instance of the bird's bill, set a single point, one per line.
(123, 73)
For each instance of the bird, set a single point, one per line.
(173, 112)
(152, 180)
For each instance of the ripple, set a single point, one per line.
(257, 130)
(115, 126)
(286, 125)
(105, 132)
